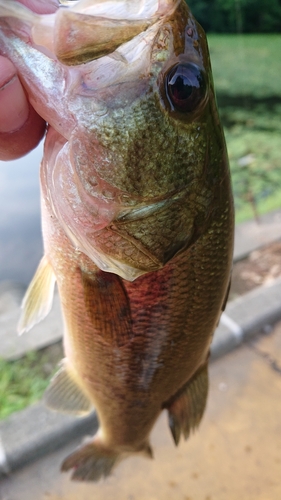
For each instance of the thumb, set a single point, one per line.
(21, 128)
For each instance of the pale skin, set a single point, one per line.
(21, 128)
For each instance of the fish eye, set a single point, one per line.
(186, 87)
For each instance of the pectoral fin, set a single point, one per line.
(38, 299)
(65, 395)
(186, 410)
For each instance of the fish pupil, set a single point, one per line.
(186, 87)
(181, 89)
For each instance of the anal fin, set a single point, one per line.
(187, 408)
(65, 395)
(38, 299)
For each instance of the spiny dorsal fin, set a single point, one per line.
(186, 411)
(65, 395)
(38, 299)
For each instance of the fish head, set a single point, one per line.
(151, 150)
(135, 181)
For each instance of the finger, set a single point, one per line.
(14, 108)
(21, 128)
(13, 145)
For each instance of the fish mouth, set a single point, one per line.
(136, 10)
(99, 27)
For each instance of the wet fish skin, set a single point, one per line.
(154, 210)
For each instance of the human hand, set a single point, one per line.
(21, 128)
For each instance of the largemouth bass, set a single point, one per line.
(137, 213)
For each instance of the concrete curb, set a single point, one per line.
(31, 433)
(245, 316)
(47, 332)
(35, 431)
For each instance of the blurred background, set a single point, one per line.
(245, 47)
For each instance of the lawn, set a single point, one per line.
(247, 71)
(23, 382)
(246, 65)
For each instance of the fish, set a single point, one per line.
(137, 214)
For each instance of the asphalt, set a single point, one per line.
(28, 435)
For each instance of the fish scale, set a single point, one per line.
(140, 153)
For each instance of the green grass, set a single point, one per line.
(245, 212)
(246, 64)
(23, 382)
(262, 177)
(247, 71)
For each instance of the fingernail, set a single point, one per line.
(14, 108)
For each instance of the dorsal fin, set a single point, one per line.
(38, 299)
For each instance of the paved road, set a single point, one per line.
(235, 455)
(20, 227)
